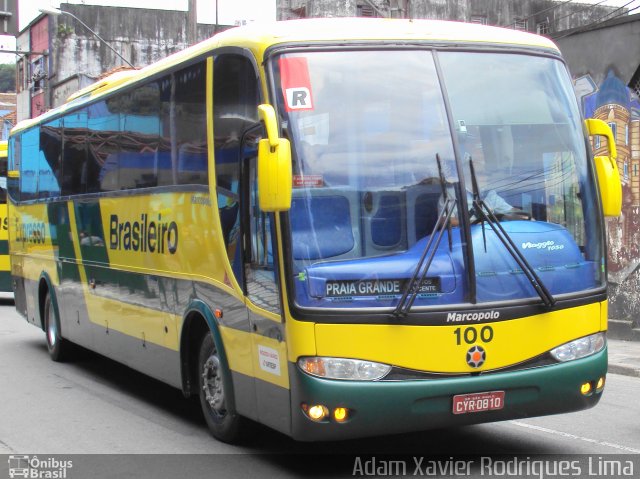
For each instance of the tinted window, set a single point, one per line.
(102, 162)
(139, 137)
(235, 107)
(191, 124)
(28, 174)
(74, 153)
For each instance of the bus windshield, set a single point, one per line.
(385, 141)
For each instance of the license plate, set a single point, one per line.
(478, 402)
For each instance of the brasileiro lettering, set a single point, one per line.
(145, 235)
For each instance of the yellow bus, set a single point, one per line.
(5, 269)
(336, 228)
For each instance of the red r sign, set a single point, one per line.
(296, 84)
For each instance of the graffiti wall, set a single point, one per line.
(616, 104)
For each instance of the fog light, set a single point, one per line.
(317, 412)
(585, 388)
(340, 414)
(600, 384)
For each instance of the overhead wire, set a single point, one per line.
(540, 12)
(587, 7)
(601, 19)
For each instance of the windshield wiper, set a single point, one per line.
(424, 263)
(484, 213)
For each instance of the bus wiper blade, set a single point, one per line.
(487, 215)
(476, 200)
(415, 282)
(445, 195)
(420, 273)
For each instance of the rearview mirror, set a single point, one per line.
(274, 165)
(607, 169)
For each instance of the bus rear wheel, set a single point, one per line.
(217, 406)
(57, 346)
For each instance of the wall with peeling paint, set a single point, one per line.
(141, 36)
(557, 14)
(604, 61)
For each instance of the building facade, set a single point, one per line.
(64, 56)
(540, 16)
(605, 62)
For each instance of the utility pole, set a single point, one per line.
(192, 22)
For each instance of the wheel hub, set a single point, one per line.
(52, 332)
(212, 384)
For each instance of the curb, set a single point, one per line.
(623, 330)
(624, 370)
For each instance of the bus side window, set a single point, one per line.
(235, 116)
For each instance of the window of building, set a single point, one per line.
(635, 169)
(636, 85)
(614, 129)
(20, 77)
(626, 134)
(365, 11)
(38, 74)
(542, 28)
(521, 24)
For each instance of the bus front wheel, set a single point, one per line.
(224, 423)
(57, 346)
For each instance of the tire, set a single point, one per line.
(58, 347)
(217, 405)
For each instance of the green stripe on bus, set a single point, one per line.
(58, 214)
(5, 282)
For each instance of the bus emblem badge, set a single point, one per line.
(476, 356)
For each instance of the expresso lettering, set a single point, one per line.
(33, 233)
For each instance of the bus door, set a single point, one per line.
(265, 317)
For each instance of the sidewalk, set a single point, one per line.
(624, 357)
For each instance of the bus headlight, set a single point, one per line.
(579, 348)
(342, 368)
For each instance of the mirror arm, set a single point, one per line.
(267, 115)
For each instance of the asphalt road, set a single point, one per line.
(96, 406)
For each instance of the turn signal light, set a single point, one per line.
(340, 414)
(586, 389)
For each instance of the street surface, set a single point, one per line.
(96, 406)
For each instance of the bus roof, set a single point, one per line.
(259, 37)
(382, 29)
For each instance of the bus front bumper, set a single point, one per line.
(390, 407)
